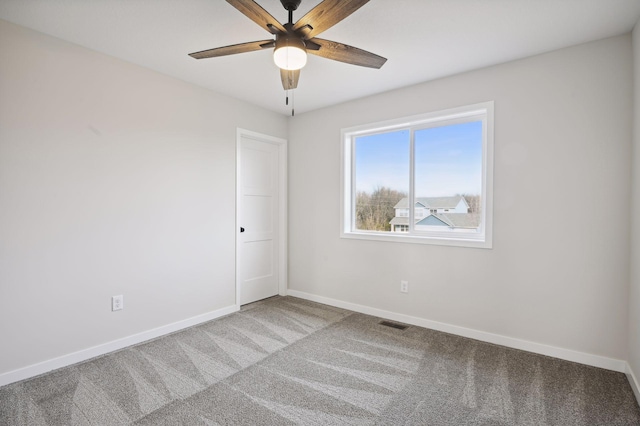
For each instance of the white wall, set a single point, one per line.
(118, 180)
(634, 289)
(113, 180)
(562, 133)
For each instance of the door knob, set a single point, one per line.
(241, 229)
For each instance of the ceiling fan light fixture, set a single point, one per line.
(290, 53)
(294, 39)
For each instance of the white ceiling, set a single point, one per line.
(422, 39)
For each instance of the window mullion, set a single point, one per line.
(412, 201)
(352, 148)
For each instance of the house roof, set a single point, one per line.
(460, 220)
(433, 220)
(432, 202)
(454, 220)
(399, 221)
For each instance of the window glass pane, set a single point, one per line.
(448, 177)
(381, 180)
(425, 182)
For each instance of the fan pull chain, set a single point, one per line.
(293, 104)
(286, 101)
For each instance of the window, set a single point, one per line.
(421, 179)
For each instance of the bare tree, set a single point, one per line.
(375, 210)
(474, 202)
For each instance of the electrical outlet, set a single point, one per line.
(117, 303)
(404, 286)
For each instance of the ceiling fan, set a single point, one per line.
(294, 40)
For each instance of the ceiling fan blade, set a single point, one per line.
(326, 15)
(345, 53)
(289, 78)
(257, 14)
(233, 49)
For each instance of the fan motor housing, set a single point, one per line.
(290, 4)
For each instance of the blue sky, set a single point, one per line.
(448, 160)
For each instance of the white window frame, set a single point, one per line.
(481, 239)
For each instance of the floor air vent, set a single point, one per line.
(393, 325)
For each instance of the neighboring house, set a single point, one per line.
(452, 212)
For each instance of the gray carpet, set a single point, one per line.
(288, 361)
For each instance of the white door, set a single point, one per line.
(258, 218)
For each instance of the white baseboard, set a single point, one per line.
(561, 353)
(633, 381)
(510, 342)
(85, 354)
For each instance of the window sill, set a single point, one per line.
(419, 239)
